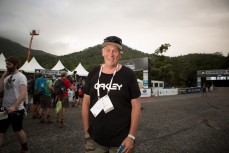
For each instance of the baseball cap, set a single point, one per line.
(113, 40)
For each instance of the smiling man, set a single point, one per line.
(111, 107)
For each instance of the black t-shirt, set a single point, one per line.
(112, 128)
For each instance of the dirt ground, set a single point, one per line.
(187, 123)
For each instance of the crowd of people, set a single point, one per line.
(42, 100)
(38, 89)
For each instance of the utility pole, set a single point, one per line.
(33, 33)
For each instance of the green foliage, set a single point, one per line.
(175, 71)
(163, 48)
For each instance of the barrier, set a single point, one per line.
(164, 92)
(189, 90)
(145, 92)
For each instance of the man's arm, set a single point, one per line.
(85, 112)
(135, 118)
(135, 115)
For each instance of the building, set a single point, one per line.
(216, 78)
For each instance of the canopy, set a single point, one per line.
(24, 66)
(60, 66)
(2, 62)
(31, 66)
(80, 70)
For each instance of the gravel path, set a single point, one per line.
(186, 123)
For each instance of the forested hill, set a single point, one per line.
(175, 71)
(89, 57)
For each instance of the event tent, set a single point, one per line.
(2, 62)
(80, 70)
(60, 66)
(24, 66)
(31, 66)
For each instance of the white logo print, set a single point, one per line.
(104, 86)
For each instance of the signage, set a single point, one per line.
(136, 64)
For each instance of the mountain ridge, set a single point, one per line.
(47, 60)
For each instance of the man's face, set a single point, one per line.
(11, 67)
(111, 55)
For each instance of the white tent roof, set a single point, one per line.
(60, 66)
(24, 66)
(31, 66)
(2, 62)
(80, 70)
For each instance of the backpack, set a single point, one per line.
(59, 87)
(80, 92)
(40, 85)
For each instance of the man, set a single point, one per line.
(30, 89)
(204, 90)
(111, 106)
(45, 100)
(64, 99)
(14, 84)
(39, 92)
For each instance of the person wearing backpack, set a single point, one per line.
(45, 100)
(64, 99)
(40, 84)
(39, 91)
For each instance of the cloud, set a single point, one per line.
(67, 25)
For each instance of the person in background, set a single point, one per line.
(75, 97)
(111, 106)
(204, 90)
(209, 88)
(80, 94)
(64, 99)
(36, 100)
(39, 92)
(14, 84)
(30, 89)
(45, 100)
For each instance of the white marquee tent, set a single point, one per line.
(60, 66)
(24, 66)
(31, 66)
(2, 62)
(80, 70)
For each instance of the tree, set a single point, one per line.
(164, 69)
(162, 48)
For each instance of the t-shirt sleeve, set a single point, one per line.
(22, 80)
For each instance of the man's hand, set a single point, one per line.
(129, 145)
(11, 109)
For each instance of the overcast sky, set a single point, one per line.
(66, 26)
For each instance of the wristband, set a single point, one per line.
(131, 136)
